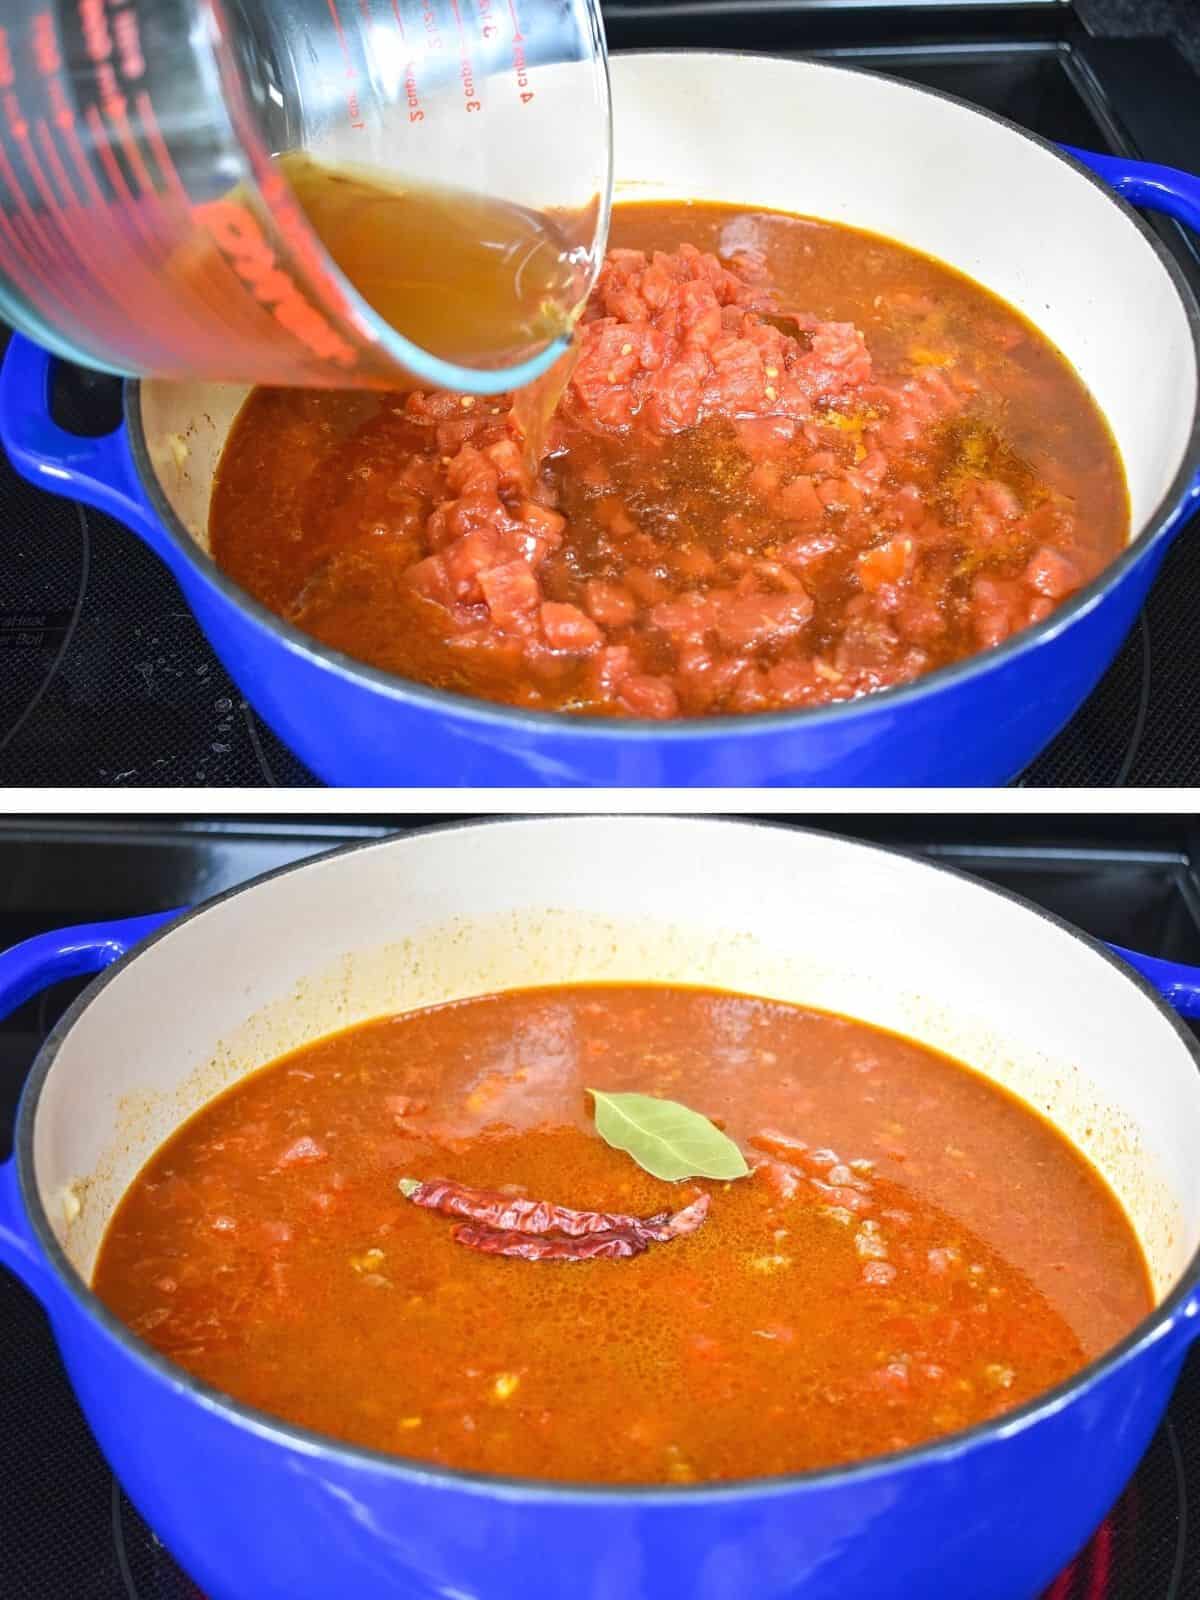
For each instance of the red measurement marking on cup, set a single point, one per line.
(211, 298)
(137, 278)
(115, 108)
(520, 61)
(54, 161)
(297, 233)
(237, 234)
(93, 20)
(79, 223)
(146, 285)
(466, 69)
(159, 299)
(45, 45)
(127, 34)
(26, 272)
(488, 27)
(411, 91)
(17, 264)
(7, 80)
(340, 30)
(128, 207)
(74, 282)
(21, 264)
(53, 235)
(112, 168)
(28, 217)
(144, 107)
(433, 33)
(353, 106)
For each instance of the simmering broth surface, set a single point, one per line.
(913, 1252)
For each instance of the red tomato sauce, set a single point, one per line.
(913, 1252)
(794, 463)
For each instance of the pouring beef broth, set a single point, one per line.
(792, 463)
(437, 1235)
(468, 278)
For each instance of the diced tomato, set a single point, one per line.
(688, 618)
(511, 592)
(429, 578)
(647, 586)
(886, 563)
(468, 558)
(506, 457)
(303, 1152)
(785, 1181)
(548, 525)
(765, 438)
(471, 472)
(1052, 574)
(609, 669)
(648, 696)
(836, 1195)
(878, 1273)
(609, 604)
(403, 1105)
(799, 501)
(764, 480)
(755, 620)
(567, 628)
(779, 1144)
(675, 393)
(694, 562)
(997, 609)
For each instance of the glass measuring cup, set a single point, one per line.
(313, 192)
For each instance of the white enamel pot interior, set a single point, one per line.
(851, 147)
(471, 909)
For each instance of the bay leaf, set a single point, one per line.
(666, 1139)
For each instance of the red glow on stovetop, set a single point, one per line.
(1087, 1576)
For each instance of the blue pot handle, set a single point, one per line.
(26, 970)
(1178, 985)
(1149, 184)
(1146, 183)
(98, 471)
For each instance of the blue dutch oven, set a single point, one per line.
(255, 1509)
(1050, 230)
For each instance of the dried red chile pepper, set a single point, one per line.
(536, 1230)
(545, 1247)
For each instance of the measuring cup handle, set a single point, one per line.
(99, 471)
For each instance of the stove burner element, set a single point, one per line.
(146, 1569)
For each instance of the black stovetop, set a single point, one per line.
(68, 1531)
(106, 679)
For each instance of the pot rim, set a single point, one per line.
(1155, 1326)
(499, 717)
